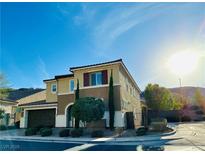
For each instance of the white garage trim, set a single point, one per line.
(60, 121)
(24, 119)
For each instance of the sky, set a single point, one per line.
(41, 40)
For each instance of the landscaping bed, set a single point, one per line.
(4, 127)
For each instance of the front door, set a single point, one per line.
(130, 120)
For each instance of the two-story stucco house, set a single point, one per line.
(54, 106)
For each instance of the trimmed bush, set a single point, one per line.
(64, 133)
(46, 132)
(30, 131)
(97, 133)
(141, 131)
(76, 132)
(3, 127)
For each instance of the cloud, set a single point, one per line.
(86, 15)
(63, 9)
(108, 22)
(42, 69)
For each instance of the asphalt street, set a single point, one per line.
(189, 136)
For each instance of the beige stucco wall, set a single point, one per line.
(64, 85)
(130, 99)
(50, 97)
(78, 74)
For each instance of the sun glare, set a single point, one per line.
(183, 63)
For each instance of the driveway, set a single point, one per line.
(189, 136)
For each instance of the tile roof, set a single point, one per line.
(48, 80)
(64, 76)
(109, 62)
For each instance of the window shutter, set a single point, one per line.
(104, 77)
(86, 79)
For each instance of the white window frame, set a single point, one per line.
(53, 84)
(70, 85)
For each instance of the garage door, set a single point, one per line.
(42, 118)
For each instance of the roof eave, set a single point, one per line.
(95, 65)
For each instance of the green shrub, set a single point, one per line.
(64, 133)
(30, 131)
(97, 133)
(3, 127)
(141, 131)
(76, 132)
(46, 132)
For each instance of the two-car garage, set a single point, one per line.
(41, 118)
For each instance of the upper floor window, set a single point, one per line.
(95, 78)
(53, 88)
(71, 85)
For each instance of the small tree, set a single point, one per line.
(111, 103)
(2, 112)
(88, 109)
(159, 98)
(77, 93)
(199, 99)
(4, 88)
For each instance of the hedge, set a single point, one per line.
(30, 131)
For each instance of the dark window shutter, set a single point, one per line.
(104, 77)
(86, 79)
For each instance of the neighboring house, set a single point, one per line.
(54, 108)
(9, 106)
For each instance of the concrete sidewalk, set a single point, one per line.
(19, 135)
(85, 139)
